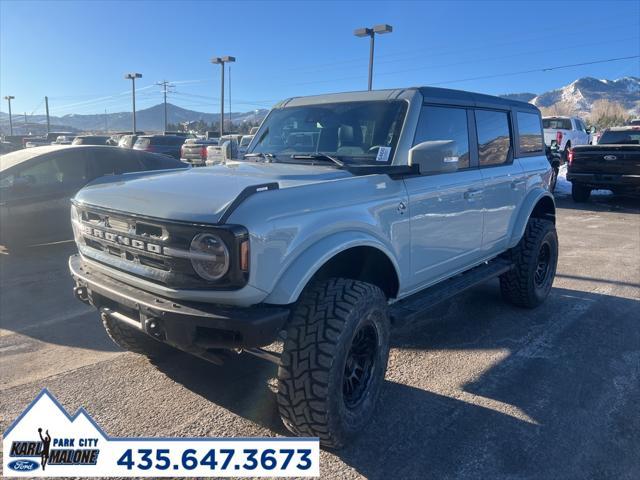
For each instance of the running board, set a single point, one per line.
(411, 308)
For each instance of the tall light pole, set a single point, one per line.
(132, 77)
(221, 61)
(8, 98)
(371, 33)
(165, 84)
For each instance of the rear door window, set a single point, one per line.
(494, 138)
(529, 132)
(114, 162)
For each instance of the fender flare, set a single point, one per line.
(295, 277)
(526, 209)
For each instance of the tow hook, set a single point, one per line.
(82, 294)
(154, 328)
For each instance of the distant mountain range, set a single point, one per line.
(583, 92)
(579, 94)
(148, 119)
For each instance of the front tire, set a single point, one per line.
(535, 259)
(580, 193)
(334, 360)
(134, 341)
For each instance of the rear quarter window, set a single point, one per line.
(529, 132)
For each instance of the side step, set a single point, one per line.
(411, 308)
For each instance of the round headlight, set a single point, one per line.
(209, 256)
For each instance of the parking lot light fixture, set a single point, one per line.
(221, 61)
(8, 98)
(371, 33)
(132, 77)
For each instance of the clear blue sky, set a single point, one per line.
(77, 52)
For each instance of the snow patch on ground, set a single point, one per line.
(563, 186)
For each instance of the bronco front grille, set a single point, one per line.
(152, 249)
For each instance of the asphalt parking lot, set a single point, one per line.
(478, 389)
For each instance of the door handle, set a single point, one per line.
(472, 194)
(516, 184)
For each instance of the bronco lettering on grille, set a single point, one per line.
(121, 239)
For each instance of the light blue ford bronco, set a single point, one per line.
(351, 214)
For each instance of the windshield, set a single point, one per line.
(620, 137)
(556, 123)
(364, 133)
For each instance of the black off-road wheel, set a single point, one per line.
(334, 360)
(580, 193)
(535, 259)
(134, 341)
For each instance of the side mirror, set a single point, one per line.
(438, 156)
(591, 130)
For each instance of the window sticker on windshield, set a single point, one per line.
(450, 159)
(383, 154)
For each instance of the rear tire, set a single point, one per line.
(334, 360)
(580, 193)
(534, 259)
(134, 341)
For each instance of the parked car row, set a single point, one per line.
(210, 151)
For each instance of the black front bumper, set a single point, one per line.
(190, 326)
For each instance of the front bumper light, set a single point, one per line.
(209, 256)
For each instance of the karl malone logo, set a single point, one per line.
(61, 454)
(32, 445)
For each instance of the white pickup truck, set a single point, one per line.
(566, 131)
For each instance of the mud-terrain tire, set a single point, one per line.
(334, 360)
(133, 340)
(534, 259)
(580, 193)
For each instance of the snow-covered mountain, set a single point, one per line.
(583, 92)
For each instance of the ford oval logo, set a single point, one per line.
(610, 157)
(23, 465)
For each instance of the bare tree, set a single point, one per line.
(563, 108)
(605, 113)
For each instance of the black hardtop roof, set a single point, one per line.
(450, 96)
(436, 95)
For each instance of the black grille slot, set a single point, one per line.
(94, 244)
(150, 262)
(146, 230)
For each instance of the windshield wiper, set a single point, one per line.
(266, 156)
(318, 156)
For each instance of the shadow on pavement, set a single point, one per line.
(601, 203)
(36, 299)
(241, 385)
(561, 403)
